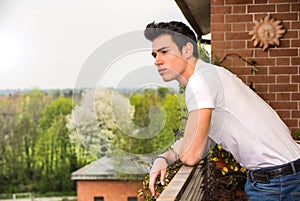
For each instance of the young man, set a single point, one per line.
(223, 109)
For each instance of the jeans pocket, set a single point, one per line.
(259, 191)
(267, 188)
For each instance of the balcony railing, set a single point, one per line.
(186, 184)
(204, 182)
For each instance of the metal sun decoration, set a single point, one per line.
(267, 32)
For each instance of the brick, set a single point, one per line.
(217, 18)
(291, 122)
(239, 9)
(249, 26)
(259, 16)
(217, 53)
(221, 9)
(295, 25)
(286, 25)
(220, 27)
(283, 61)
(285, 43)
(291, 34)
(238, 44)
(295, 6)
(265, 61)
(241, 63)
(283, 87)
(258, 52)
(261, 88)
(283, 70)
(296, 114)
(240, 71)
(283, 7)
(283, 52)
(238, 2)
(109, 190)
(262, 79)
(238, 18)
(283, 104)
(295, 61)
(296, 96)
(217, 36)
(242, 53)
(259, 8)
(227, 63)
(261, 1)
(223, 44)
(295, 78)
(281, 1)
(217, 2)
(262, 70)
(239, 27)
(267, 96)
(250, 45)
(295, 43)
(283, 96)
(237, 36)
(285, 16)
(284, 113)
(283, 79)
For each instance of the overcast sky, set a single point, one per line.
(46, 43)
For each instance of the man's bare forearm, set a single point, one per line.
(173, 154)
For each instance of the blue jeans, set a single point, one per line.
(284, 188)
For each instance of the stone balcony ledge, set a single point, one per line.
(186, 185)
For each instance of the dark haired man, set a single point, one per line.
(223, 109)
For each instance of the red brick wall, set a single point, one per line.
(278, 78)
(110, 190)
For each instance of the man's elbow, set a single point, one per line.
(189, 161)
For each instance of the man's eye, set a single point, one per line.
(164, 51)
(154, 55)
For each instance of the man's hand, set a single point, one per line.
(159, 168)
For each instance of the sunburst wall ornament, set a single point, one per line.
(267, 32)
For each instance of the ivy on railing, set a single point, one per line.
(145, 192)
(220, 186)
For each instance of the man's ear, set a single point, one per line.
(187, 50)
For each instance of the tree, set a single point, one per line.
(8, 118)
(55, 150)
(21, 134)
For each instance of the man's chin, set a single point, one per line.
(167, 80)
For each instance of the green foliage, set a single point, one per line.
(296, 135)
(218, 154)
(202, 52)
(54, 146)
(160, 113)
(36, 154)
(145, 192)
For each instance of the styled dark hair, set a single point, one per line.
(180, 33)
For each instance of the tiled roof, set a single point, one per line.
(97, 170)
(107, 168)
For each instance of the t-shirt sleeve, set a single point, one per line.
(199, 94)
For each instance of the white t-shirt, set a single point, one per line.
(242, 123)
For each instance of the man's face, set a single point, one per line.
(168, 58)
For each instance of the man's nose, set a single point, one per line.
(158, 60)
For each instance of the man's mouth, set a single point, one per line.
(161, 70)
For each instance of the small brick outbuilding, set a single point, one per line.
(96, 182)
